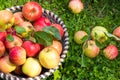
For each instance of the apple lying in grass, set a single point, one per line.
(32, 67)
(49, 57)
(3, 35)
(6, 19)
(41, 22)
(18, 16)
(116, 32)
(99, 33)
(17, 55)
(79, 35)
(32, 49)
(111, 52)
(60, 29)
(5, 65)
(16, 42)
(91, 49)
(2, 49)
(57, 45)
(32, 11)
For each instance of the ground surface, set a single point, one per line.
(96, 12)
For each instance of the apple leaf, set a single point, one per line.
(19, 29)
(85, 38)
(43, 38)
(53, 31)
(10, 37)
(57, 75)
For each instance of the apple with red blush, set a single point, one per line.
(3, 35)
(2, 49)
(32, 49)
(32, 11)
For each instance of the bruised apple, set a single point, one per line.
(91, 49)
(2, 49)
(17, 55)
(5, 65)
(49, 57)
(31, 67)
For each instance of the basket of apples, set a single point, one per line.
(33, 42)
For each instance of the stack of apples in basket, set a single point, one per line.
(29, 41)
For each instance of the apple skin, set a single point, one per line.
(116, 32)
(31, 67)
(18, 16)
(6, 66)
(49, 57)
(32, 11)
(17, 42)
(91, 49)
(79, 35)
(98, 33)
(33, 48)
(17, 55)
(60, 29)
(41, 22)
(110, 52)
(57, 45)
(2, 49)
(6, 19)
(3, 35)
(27, 26)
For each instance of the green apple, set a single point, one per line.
(99, 33)
(31, 67)
(79, 35)
(91, 49)
(6, 19)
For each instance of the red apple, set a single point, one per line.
(111, 52)
(3, 35)
(49, 57)
(31, 67)
(41, 23)
(116, 32)
(6, 19)
(91, 49)
(5, 65)
(32, 49)
(60, 29)
(16, 42)
(18, 16)
(57, 45)
(32, 11)
(79, 35)
(2, 49)
(17, 55)
(27, 26)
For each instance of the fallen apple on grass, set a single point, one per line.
(99, 33)
(79, 36)
(31, 67)
(49, 57)
(17, 55)
(110, 52)
(5, 65)
(116, 32)
(90, 49)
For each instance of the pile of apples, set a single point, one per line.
(98, 36)
(20, 52)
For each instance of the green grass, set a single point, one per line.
(96, 12)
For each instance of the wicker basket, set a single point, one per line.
(65, 41)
